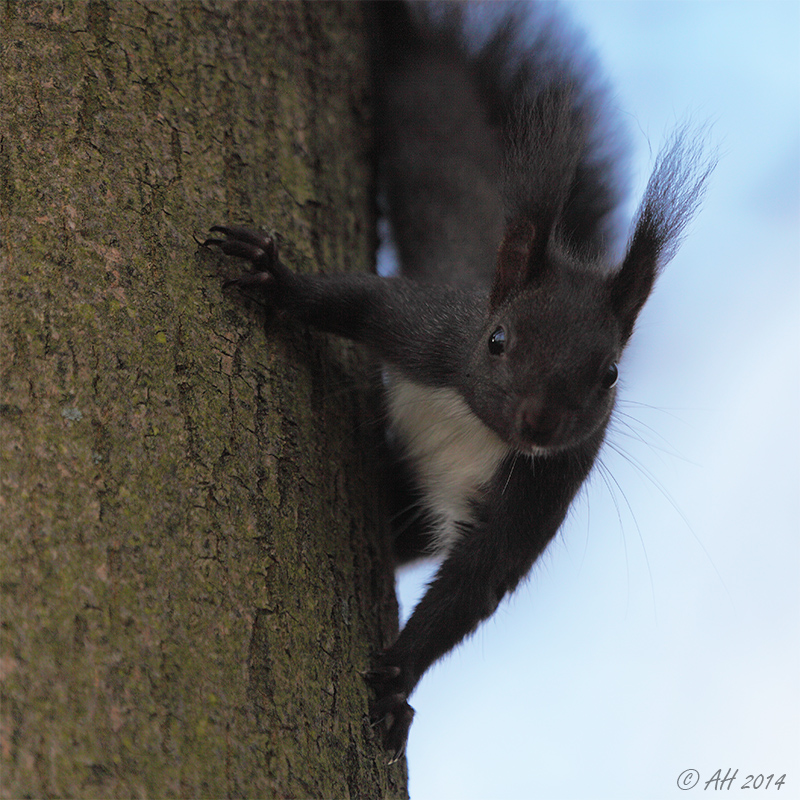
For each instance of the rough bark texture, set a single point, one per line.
(193, 567)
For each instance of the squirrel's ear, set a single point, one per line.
(631, 286)
(670, 201)
(520, 259)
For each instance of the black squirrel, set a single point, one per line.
(501, 339)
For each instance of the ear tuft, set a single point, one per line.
(673, 195)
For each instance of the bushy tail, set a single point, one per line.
(462, 89)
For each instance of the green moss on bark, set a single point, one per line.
(193, 569)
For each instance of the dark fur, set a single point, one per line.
(502, 194)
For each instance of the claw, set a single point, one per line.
(397, 735)
(257, 248)
(235, 247)
(390, 709)
(247, 235)
(246, 243)
(249, 280)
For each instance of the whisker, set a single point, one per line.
(616, 483)
(633, 424)
(510, 470)
(647, 473)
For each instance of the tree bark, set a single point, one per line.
(195, 568)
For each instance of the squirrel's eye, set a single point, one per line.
(610, 378)
(497, 342)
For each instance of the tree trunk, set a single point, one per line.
(194, 562)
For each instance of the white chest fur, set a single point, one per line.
(452, 452)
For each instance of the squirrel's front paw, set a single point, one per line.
(390, 709)
(258, 248)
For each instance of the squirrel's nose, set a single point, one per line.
(539, 422)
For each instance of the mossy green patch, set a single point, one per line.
(192, 550)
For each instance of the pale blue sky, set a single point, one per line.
(661, 631)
